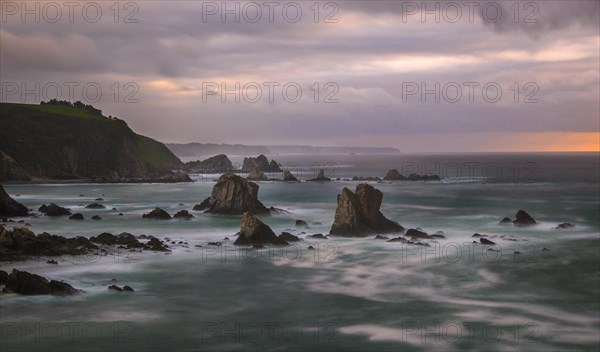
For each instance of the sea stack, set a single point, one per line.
(255, 232)
(358, 215)
(9, 206)
(233, 195)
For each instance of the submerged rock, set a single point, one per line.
(76, 216)
(524, 219)
(505, 221)
(157, 213)
(10, 207)
(379, 237)
(319, 236)
(564, 226)
(95, 206)
(358, 215)
(253, 231)
(96, 217)
(234, 195)
(183, 214)
(31, 284)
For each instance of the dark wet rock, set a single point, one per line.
(417, 177)
(156, 245)
(311, 248)
(564, 226)
(414, 233)
(368, 178)
(99, 199)
(253, 231)
(517, 252)
(234, 195)
(316, 223)
(438, 236)
(10, 207)
(318, 236)
(54, 210)
(96, 217)
(21, 243)
(218, 244)
(115, 288)
(157, 213)
(358, 215)
(256, 175)
(104, 238)
(321, 177)
(31, 284)
(398, 239)
(3, 277)
(76, 216)
(379, 237)
(183, 214)
(524, 219)
(484, 240)
(52, 262)
(277, 211)
(288, 237)
(301, 223)
(258, 246)
(128, 240)
(120, 214)
(394, 175)
(505, 221)
(289, 177)
(545, 250)
(95, 206)
(202, 206)
(476, 235)
(128, 289)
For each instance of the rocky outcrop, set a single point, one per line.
(216, 164)
(505, 221)
(31, 284)
(417, 177)
(394, 175)
(183, 214)
(485, 241)
(414, 233)
(10, 207)
(255, 232)
(232, 194)
(564, 226)
(301, 223)
(289, 177)
(3, 277)
(95, 206)
(260, 163)
(524, 219)
(257, 175)
(76, 216)
(321, 177)
(21, 243)
(157, 213)
(358, 215)
(54, 210)
(288, 237)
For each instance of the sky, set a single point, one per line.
(419, 76)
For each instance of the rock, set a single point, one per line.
(274, 166)
(183, 214)
(545, 250)
(95, 206)
(477, 235)
(394, 175)
(321, 177)
(358, 215)
(311, 248)
(156, 245)
(202, 206)
(157, 213)
(258, 246)
(215, 164)
(115, 288)
(96, 217)
(417, 177)
(379, 237)
(104, 238)
(52, 262)
(564, 226)
(319, 236)
(484, 240)
(256, 175)
(524, 219)
(54, 210)
(128, 289)
(31, 284)
(368, 178)
(10, 207)
(413, 233)
(288, 237)
(20, 243)
(260, 163)
(128, 240)
(253, 231)
(120, 214)
(398, 239)
(289, 177)
(3, 277)
(438, 236)
(76, 216)
(505, 221)
(301, 223)
(99, 199)
(234, 195)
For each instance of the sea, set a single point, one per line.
(536, 289)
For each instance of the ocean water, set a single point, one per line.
(357, 294)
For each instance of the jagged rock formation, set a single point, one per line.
(524, 219)
(289, 177)
(31, 284)
(53, 210)
(358, 215)
(394, 175)
(10, 207)
(260, 163)
(321, 177)
(215, 164)
(233, 195)
(255, 232)
(257, 175)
